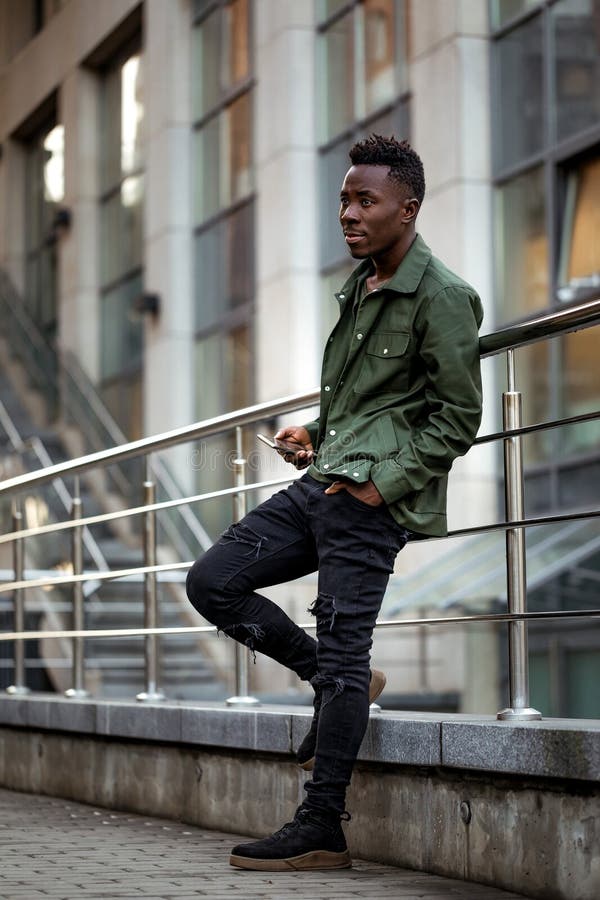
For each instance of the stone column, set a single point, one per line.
(451, 132)
(449, 81)
(287, 343)
(169, 338)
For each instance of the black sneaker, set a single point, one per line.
(311, 841)
(305, 756)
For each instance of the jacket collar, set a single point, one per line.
(406, 278)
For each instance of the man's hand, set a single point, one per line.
(366, 492)
(298, 435)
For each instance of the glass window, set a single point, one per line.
(580, 388)
(519, 86)
(121, 334)
(337, 84)
(207, 192)
(223, 206)
(362, 57)
(521, 246)
(327, 8)
(238, 141)
(576, 25)
(44, 192)
(505, 10)
(121, 237)
(238, 41)
(579, 264)
(207, 64)
(381, 23)
(583, 677)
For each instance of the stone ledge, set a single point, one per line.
(552, 748)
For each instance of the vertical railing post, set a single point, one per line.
(516, 581)
(242, 654)
(19, 686)
(151, 642)
(78, 690)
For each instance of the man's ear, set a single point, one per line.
(410, 210)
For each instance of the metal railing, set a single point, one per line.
(506, 340)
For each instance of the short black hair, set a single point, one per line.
(405, 165)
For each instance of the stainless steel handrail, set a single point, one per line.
(538, 328)
(13, 636)
(534, 329)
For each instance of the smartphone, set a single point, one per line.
(287, 449)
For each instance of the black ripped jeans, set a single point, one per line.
(353, 546)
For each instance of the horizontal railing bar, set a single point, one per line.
(540, 327)
(114, 575)
(538, 426)
(396, 623)
(136, 511)
(204, 429)
(551, 324)
(520, 523)
(123, 574)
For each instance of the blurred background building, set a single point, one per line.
(169, 246)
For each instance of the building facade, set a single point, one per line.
(169, 175)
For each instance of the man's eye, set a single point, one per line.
(365, 202)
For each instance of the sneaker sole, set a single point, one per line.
(376, 686)
(317, 859)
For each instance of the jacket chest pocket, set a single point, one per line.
(384, 364)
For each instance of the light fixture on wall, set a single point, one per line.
(146, 303)
(61, 223)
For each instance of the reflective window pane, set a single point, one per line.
(209, 377)
(579, 266)
(333, 166)
(238, 138)
(521, 246)
(208, 280)
(504, 10)
(520, 95)
(121, 332)
(580, 388)
(336, 81)
(121, 223)
(132, 114)
(380, 31)
(576, 25)
(207, 64)
(239, 259)
(238, 41)
(207, 170)
(238, 368)
(327, 8)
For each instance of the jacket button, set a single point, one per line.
(386, 350)
(332, 432)
(355, 474)
(359, 336)
(342, 296)
(326, 388)
(326, 466)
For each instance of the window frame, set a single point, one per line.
(228, 319)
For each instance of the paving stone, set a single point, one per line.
(61, 850)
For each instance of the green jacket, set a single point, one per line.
(401, 387)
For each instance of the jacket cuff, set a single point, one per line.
(389, 477)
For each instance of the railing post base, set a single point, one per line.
(242, 701)
(150, 697)
(522, 714)
(77, 694)
(17, 690)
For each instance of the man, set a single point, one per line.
(400, 400)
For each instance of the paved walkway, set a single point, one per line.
(53, 848)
